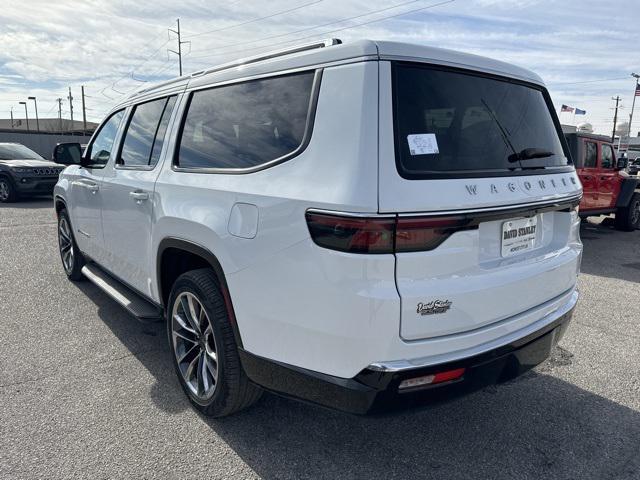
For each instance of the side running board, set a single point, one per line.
(136, 305)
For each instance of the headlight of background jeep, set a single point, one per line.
(20, 170)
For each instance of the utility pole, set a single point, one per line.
(180, 43)
(635, 94)
(84, 113)
(71, 108)
(59, 100)
(615, 118)
(11, 117)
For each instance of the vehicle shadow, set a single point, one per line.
(537, 426)
(29, 203)
(609, 252)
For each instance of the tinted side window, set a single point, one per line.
(607, 156)
(590, 154)
(162, 130)
(100, 150)
(139, 140)
(247, 124)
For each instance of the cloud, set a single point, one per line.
(48, 47)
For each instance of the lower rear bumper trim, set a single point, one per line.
(375, 391)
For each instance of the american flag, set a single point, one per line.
(638, 90)
(566, 108)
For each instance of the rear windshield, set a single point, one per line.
(451, 123)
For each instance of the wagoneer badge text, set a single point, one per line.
(431, 308)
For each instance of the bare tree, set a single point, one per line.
(622, 128)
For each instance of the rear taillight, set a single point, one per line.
(419, 234)
(352, 234)
(382, 234)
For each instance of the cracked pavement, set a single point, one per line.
(88, 392)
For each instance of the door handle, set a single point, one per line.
(92, 187)
(603, 178)
(139, 196)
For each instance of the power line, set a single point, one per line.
(326, 24)
(589, 81)
(229, 27)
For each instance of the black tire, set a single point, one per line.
(628, 218)
(232, 390)
(67, 244)
(8, 192)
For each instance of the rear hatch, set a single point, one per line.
(474, 166)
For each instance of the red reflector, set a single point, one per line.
(447, 376)
(431, 379)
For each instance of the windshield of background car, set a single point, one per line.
(451, 122)
(18, 152)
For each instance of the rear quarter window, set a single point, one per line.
(451, 123)
(247, 125)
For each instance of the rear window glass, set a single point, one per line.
(449, 123)
(246, 125)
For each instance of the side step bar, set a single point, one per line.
(136, 305)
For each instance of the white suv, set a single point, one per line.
(359, 225)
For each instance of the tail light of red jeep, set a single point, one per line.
(381, 234)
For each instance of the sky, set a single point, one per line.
(585, 50)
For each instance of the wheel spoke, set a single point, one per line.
(190, 369)
(209, 361)
(188, 352)
(192, 310)
(183, 325)
(186, 308)
(204, 374)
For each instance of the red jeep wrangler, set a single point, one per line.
(607, 187)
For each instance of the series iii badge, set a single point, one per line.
(431, 308)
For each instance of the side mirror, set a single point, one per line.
(622, 164)
(67, 154)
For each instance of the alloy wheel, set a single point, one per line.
(4, 190)
(194, 346)
(635, 212)
(66, 245)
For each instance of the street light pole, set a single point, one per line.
(26, 116)
(37, 119)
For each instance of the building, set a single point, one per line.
(47, 125)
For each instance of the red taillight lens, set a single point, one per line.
(352, 234)
(383, 234)
(418, 234)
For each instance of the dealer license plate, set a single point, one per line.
(519, 236)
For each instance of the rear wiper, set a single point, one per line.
(529, 154)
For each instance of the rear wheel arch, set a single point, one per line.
(177, 256)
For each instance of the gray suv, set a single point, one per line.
(23, 173)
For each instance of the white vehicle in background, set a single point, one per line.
(360, 226)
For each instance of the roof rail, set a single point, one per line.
(269, 55)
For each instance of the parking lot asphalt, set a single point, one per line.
(88, 392)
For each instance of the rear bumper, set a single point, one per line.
(375, 389)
